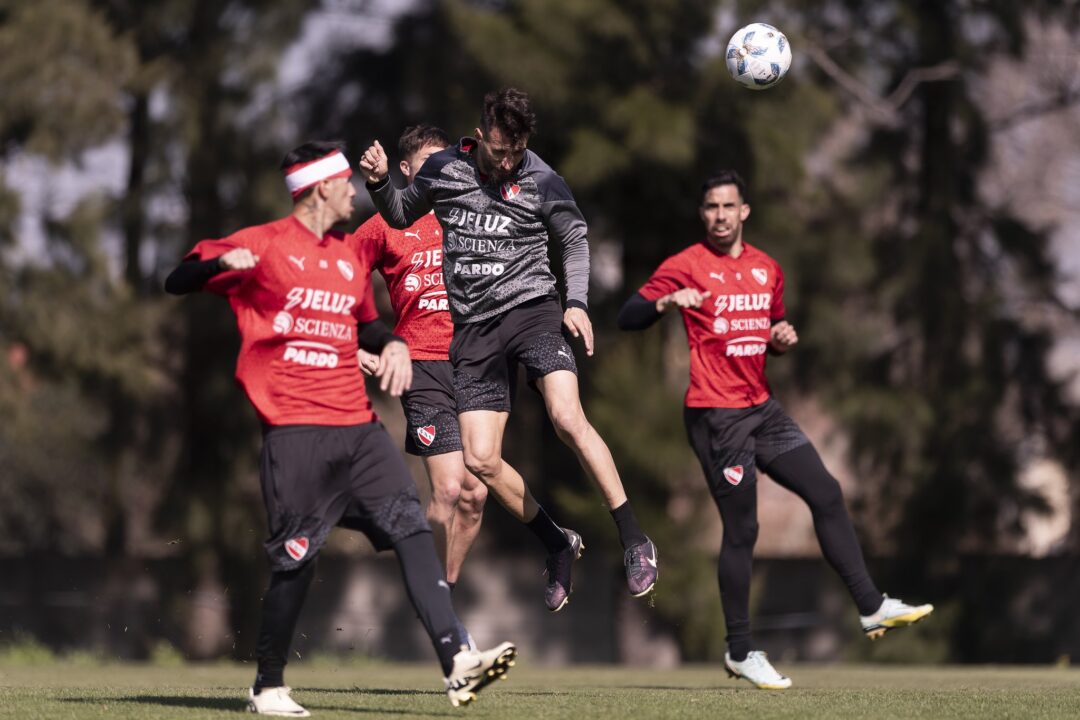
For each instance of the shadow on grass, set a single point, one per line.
(235, 704)
(373, 691)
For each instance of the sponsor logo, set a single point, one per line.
(744, 324)
(426, 258)
(311, 354)
(488, 222)
(297, 547)
(734, 474)
(509, 191)
(412, 282)
(564, 354)
(297, 261)
(746, 347)
(411, 234)
(760, 275)
(717, 276)
(741, 302)
(283, 322)
(324, 300)
(433, 301)
(479, 269)
(323, 328)
(476, 245)
(345, 268)
(445, 585)
(720, 326)
(426, 435)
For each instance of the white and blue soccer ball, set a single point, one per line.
(758, 56)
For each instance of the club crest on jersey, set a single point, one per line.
(509, 191)
(734, 474)
(345, 268)
(426, 435)
(297, 547)
(760, 275)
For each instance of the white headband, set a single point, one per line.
(322, 169)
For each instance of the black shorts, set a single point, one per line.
(731, 442)
(316, 476)
(486, 354)
(430, 410)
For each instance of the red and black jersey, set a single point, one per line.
(411, 262)
(297, 311)
(729, 333)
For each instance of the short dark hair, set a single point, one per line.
(725, 177)
(417, 137)
(510, 111)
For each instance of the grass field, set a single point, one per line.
(377, 690)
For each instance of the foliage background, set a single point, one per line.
(925, 268)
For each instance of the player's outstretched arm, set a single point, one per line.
(375, 164)
(399, 208)
(637, 313)
(191, 275)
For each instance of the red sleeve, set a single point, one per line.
(230, 281)
(778, 311)
(369, 240)
(667, 278)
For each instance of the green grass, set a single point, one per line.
(376, 690)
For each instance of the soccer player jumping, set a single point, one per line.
(303, 302)
(499, 204)
(410, 261)
(731, 297)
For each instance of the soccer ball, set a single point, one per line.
(758, 56)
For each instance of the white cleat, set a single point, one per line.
(476, 669)
(892, 614)
(275, 701)
(758, 670)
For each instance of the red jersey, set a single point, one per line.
(411, 262)
(729, 333)
(297, 311)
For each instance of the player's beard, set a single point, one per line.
(725, 242)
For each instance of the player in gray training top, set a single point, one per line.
(499, 204)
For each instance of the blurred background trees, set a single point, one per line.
(895, 174)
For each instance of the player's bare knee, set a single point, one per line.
(485, 466)
(570, 424)
(446, 493)
(472, 499)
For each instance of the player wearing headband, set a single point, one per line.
(303, 304)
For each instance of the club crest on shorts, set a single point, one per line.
(734, 474)
(509, 190)
(297, 547)
(426, 434)
(760, 275)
